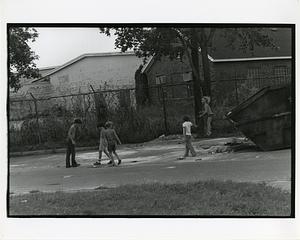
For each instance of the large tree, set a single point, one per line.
(21, 58)
(191, 42)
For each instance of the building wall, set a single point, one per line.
(252, 69)
(255, 73)
(108, 72)
(172, 72)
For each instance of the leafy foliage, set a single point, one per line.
(177, 42)
(248, 38)
(21, 58)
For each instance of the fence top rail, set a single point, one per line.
(70, 95)
(232, 79)
(165, 85)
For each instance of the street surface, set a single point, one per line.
(150, 162)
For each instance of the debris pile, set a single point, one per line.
(233, 145)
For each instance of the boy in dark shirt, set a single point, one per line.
(72, 136)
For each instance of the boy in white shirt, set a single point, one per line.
(187, 133)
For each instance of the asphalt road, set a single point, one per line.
(155, 162)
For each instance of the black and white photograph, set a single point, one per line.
(151, 120)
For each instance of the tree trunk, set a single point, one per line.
(206, 70)
(101, 107)
(196, 81)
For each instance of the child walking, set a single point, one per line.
(187, 134)
(102, 145)
(112, 140)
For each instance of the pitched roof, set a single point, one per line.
(74, 60)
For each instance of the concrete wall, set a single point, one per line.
(109, 72)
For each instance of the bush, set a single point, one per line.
(140, 125)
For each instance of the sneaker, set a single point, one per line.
(181, 158)
(68, 166)
(76, 165)
(119, 161)
(97, 163)
(110, 162)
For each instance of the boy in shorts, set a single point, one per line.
(112, 140)
(102, 145)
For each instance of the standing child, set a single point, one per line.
(112, 140)
(187, 134)
(102, 144)
(71, 141)
(207, 114)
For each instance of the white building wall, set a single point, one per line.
(109, 72)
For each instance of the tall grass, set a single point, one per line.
(132, 125)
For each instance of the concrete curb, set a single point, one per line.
(48, 151)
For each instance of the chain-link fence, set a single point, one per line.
(44, 122)
(177, 100)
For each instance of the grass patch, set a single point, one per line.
(199, 198)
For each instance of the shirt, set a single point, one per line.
(111, 136)
(187, 126)
(207, 109)
(73, 133)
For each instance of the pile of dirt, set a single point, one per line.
(233, 145)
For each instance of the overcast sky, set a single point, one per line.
(55, 46)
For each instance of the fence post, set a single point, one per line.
(236, 89)
(164, 110)
(37, 118)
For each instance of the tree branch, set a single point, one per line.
(187, 46)
(210, 36)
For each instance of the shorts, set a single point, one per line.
(111, 147)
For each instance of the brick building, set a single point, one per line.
(230, 68)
